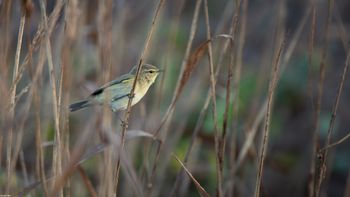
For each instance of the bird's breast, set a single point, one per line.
(140, 91)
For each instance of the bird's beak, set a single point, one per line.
(160, 70)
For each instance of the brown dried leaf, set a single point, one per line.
(190, 66)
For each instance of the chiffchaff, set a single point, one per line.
(116, 93)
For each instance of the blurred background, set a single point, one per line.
(53, 53)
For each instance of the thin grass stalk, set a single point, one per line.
(316, 113)
(203, 112)
(157, 101)
(104, 30)
(75, 157)
(324, 152)
(9, 158)
(153, 173)
(5, 14)
(199, 187)
(165, 122)
(128, 109)
(26, 108)
(24, 168)
(341, 28)
(219, 161)
(40, 162)
(21, 125)
(174, 29)
(322, 73)
(57, 150)
(87, 181)
(38, 38)
(170, 144)
(193, 31)
(260, 114)
(199, 122)
(70, 33)
(236, 85)
(266, 132)
(33, 93)
(341, 140)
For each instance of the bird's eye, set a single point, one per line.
(151, 71)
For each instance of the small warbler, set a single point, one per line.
(116, 93)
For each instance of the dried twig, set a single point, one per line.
(128, 109)
(200, 189)
(343, 139)
(13, 104)
(271, 92)
(324, 152)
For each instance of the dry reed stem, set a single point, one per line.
(322, 73)
(260, 114)
(38, 38)
(105, 40)
(200, 119)
(316, 113)
(13, 104)
(200, 189)
(5, 18)
(128, 109)
(203, 112)
(20, 130)
(341, 140)
(72, 14)
(87, 181)
(180, 81)
(264, 142)
(33, 46)
(219, 161)
(193, 60)
(33, 93)
(5, 13)
(24, 168)
(341, 28)
(75, 158)
(184, 74)
(324, 152)
(40, 165)
(57, 150)
(170, 49)
(236, 85)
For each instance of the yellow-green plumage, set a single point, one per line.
(116, 93)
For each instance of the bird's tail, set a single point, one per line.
(79, 105)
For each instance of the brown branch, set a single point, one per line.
(13, 104)
(128, 109)
(343, 139)
(200, 189)
(219, 160)
(264, 142)
(324, 152)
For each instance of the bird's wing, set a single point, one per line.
(122, 79)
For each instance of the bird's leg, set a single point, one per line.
(123, 124)
(131, 95)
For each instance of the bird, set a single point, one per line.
(116, 93)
